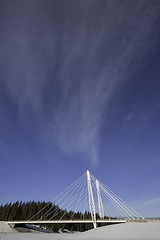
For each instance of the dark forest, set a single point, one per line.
(20, 211)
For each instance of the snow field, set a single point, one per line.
(128, 231)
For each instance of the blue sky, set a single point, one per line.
(79, 89)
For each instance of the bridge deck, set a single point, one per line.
(66, 221)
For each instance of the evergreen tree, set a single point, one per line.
(47, 210)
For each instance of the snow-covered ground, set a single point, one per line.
(135, 231)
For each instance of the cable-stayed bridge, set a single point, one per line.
(90, 199)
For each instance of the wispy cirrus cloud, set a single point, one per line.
(149, 207)
(84, 60)
(89, 77)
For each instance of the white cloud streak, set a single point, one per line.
(95, 63)
(78, 122)
(149, 207)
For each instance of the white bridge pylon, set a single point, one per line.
(87, 196)
(91, 200)
(100, 204)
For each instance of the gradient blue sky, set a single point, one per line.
(80, 89)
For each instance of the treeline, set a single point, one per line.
(36, 210)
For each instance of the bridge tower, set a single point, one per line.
(91, 200)
(100, 204)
